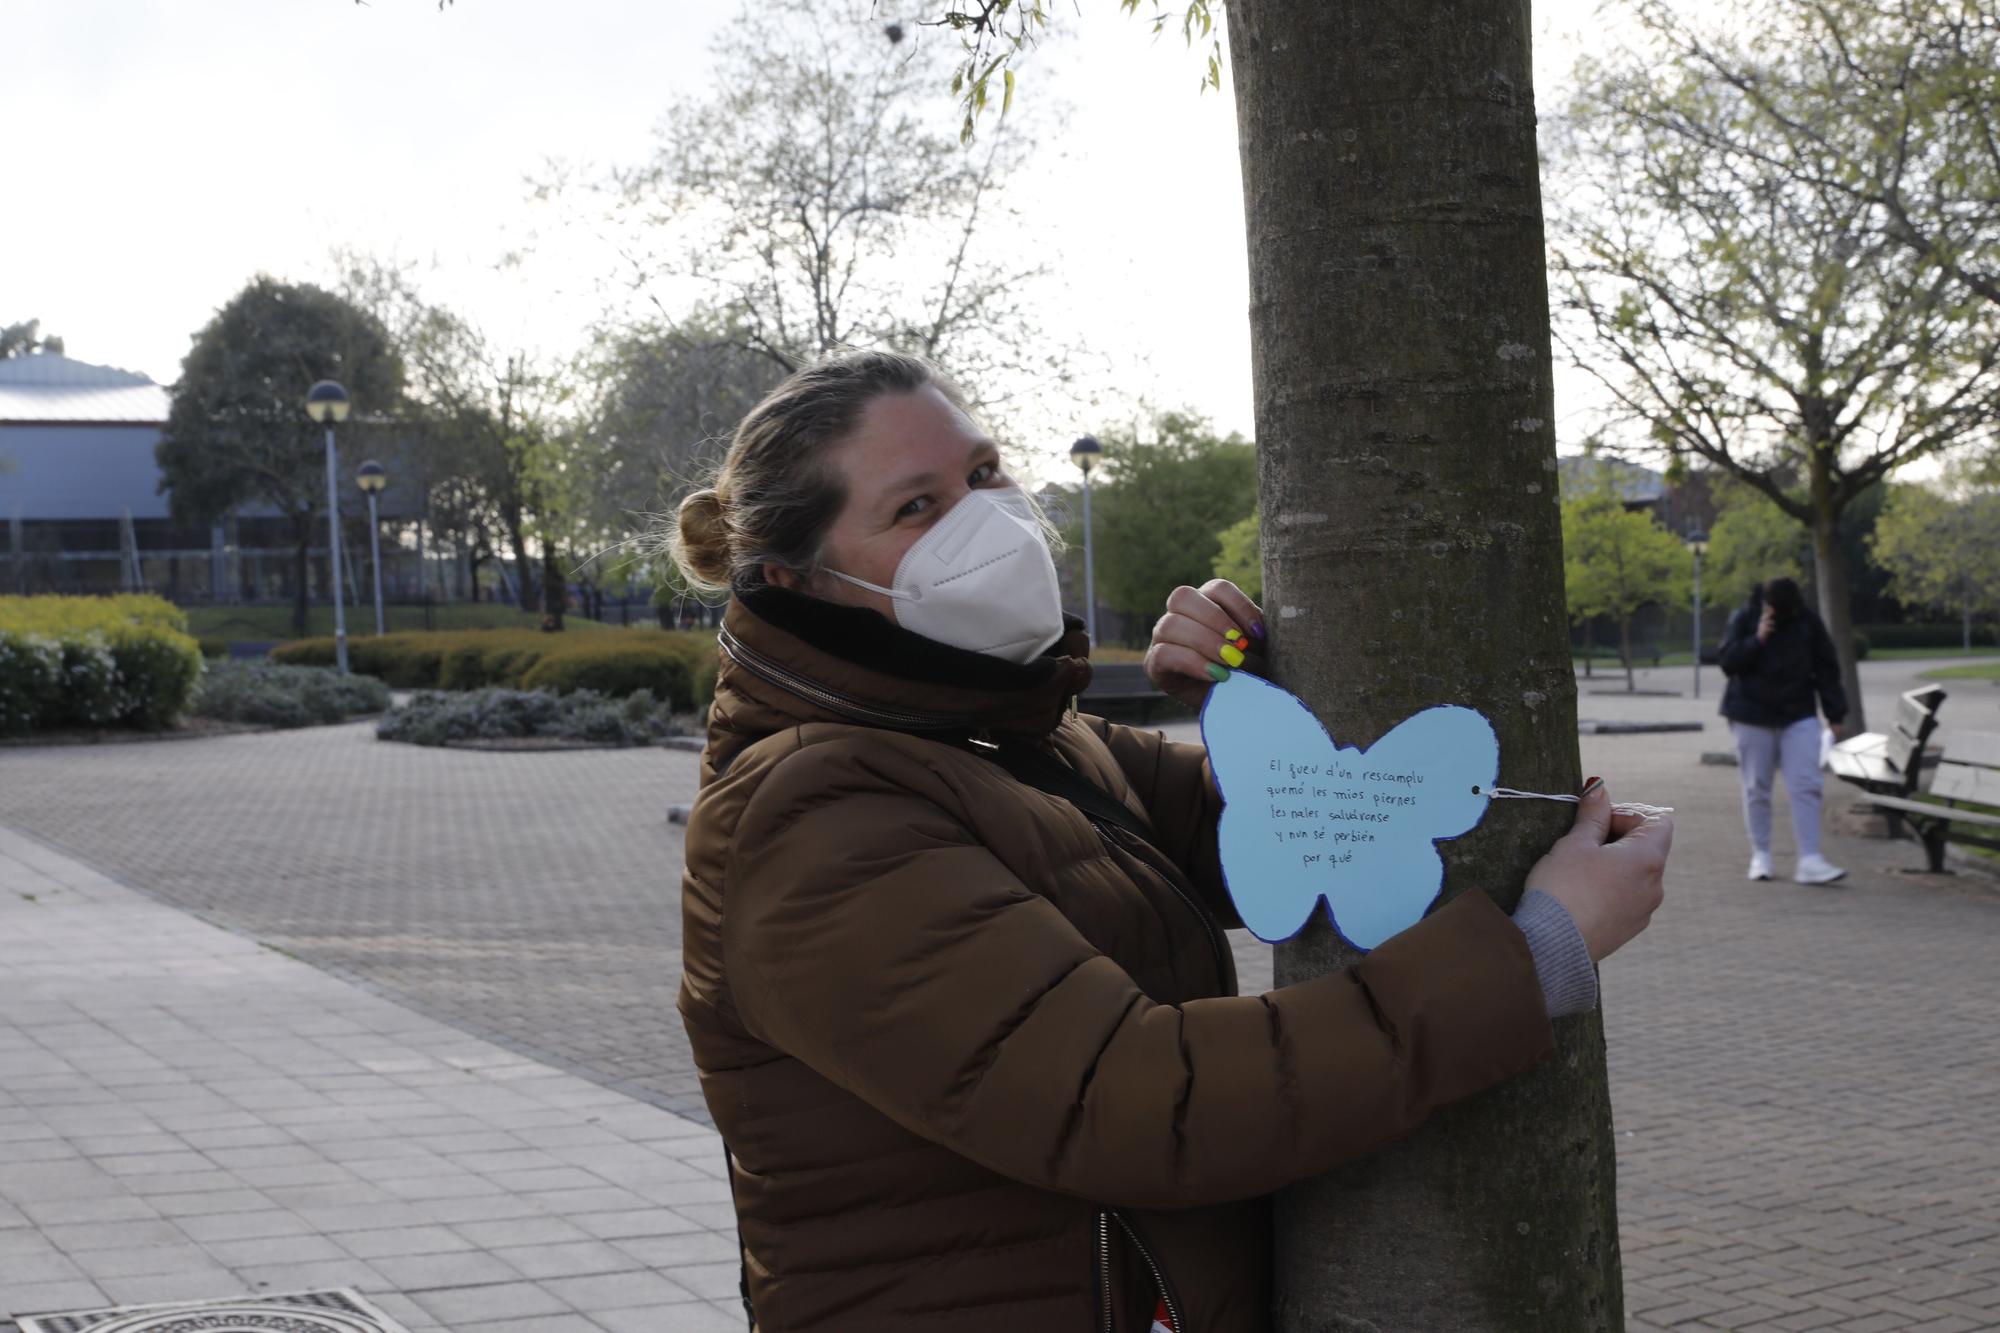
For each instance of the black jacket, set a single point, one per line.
(1772, 683)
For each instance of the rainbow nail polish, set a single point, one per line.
(1218, 672)
(1232, 655)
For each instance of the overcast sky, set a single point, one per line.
(162, 152)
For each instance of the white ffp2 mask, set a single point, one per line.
(982, 579)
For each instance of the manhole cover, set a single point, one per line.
(299, 1312)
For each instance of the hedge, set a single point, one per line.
(124, 661)
(1947, 635)
(678, 666)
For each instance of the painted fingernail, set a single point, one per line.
(1232, 634)
(1592, 784)
(1232, 655)
(1218, 672)
(1257, 628)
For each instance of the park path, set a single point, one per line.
(1803, 1078)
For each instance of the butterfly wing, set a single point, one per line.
(1430, 776)
(1249, 725)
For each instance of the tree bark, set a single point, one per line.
(1413, 556)
(1830, 583)
(555, 590)
(1625, 652)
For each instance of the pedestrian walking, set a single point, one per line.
(1782, 674)
(954, 969)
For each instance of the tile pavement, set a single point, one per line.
(1803, 1078)
(187, 1113)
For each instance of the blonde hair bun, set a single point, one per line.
(701, 540)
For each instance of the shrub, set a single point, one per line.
(118, 661)
(31, 680)
(213, 647)
(438, 717)
(619, 670)
(271, 695)
(1862, 643)
(679, 666)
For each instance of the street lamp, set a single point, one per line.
(1083, 453)
(326, 403)
(1697, 542)
(371, 479)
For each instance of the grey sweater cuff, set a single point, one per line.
(1562, 961)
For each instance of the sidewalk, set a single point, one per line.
(187, 1114)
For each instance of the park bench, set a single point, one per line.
(1887, 766)
(1122, 683)
(1968, 771)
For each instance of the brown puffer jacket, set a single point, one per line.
(980, 1061)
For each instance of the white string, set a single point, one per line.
(1639, 808)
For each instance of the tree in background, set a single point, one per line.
(1895, 107)
(237, 430)
(27, 339)
(1764, 321)
(490, 417)
(1160, 505)
(813, 206)
(1753, 540)
(1240, 557)
(1943, 550)
(1616, 560)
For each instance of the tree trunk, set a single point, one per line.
(1965, 622)
(1625, 653)
(1413, 556)
(554, 589)
(517, 535)
(1830, 582)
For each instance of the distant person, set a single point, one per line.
(1782, 672)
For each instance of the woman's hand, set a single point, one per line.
(1766, 623)
(1607, 872)
(1194, 642)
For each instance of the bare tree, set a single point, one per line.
(812, 204)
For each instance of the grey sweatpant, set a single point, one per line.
(1760, 753)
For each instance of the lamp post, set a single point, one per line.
(371, 479)
(326, 403)
(1083, 453)
(1697, 541)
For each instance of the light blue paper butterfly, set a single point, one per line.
(1304, 819)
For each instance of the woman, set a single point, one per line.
(1782, 671)
(954, 974)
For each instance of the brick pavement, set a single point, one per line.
(1802, 1077)
(533, 897)
(186, 1114)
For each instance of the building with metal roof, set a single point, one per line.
(87, 509)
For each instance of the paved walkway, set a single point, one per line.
(1804, 1079)
(185, 1113)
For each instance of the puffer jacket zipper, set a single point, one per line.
(1160, 1285)
(846, 705)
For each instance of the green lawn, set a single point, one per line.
(1975, 671)
(260, 624)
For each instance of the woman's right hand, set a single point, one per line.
(1607, 872)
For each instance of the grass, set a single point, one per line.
(1976, 671)
(1609, 665)
(272, 624)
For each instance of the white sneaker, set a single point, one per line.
(1760, 865)
(1816, 870)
